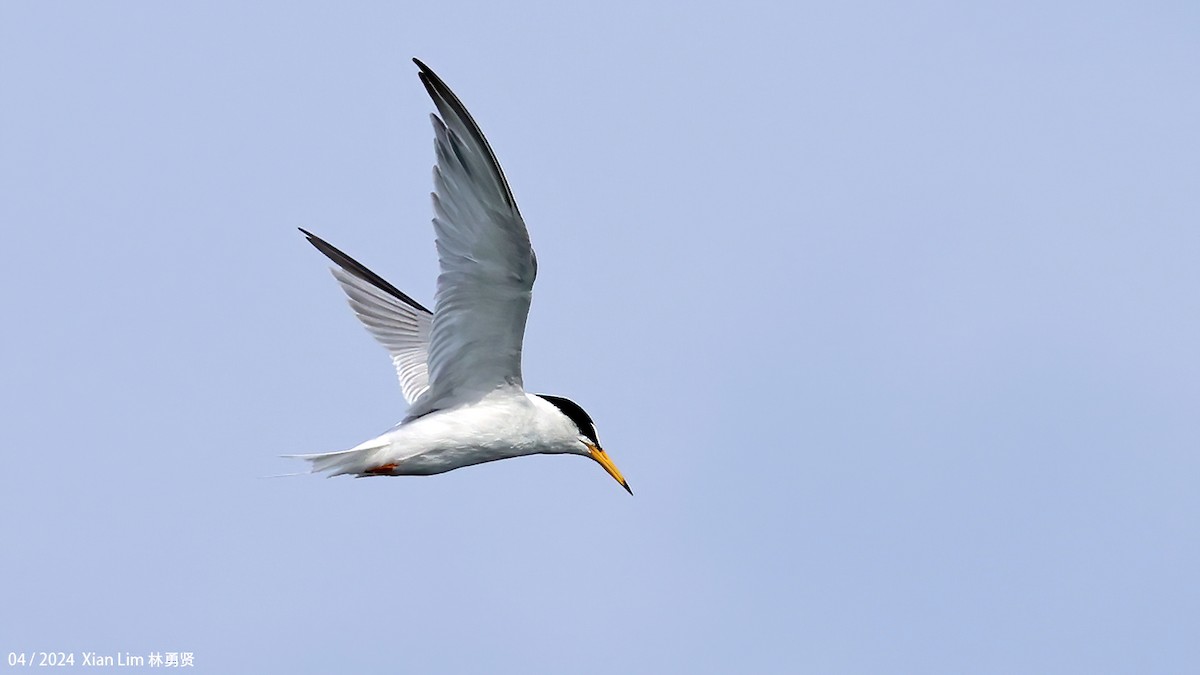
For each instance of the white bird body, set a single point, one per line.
(460, 366)
(503, 424)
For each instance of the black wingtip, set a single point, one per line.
(627, 488)
(455, 114)
(359, 270)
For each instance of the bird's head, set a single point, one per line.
(589, 442)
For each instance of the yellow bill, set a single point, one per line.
(601, 457)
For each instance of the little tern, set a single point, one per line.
(460, 365)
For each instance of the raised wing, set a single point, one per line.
(487, 263)
(399, 323)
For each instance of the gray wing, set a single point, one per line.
(401, 324)
(487, 263)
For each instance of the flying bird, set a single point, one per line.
(460, 365)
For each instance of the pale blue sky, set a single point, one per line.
(890, 314)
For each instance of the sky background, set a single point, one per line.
(890, 313)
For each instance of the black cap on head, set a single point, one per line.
(587, 428)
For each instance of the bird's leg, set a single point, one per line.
(381, 470)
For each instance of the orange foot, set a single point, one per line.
(381, 470)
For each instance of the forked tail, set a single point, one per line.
(340, 462)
